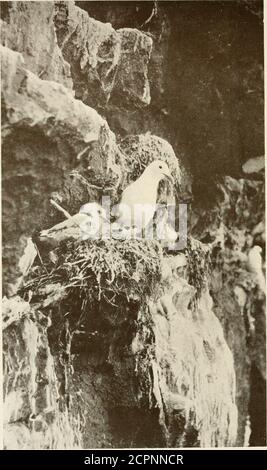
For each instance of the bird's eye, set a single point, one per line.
(160, 167)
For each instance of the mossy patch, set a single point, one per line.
(198, 265)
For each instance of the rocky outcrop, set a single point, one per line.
(206, 91)
(133, 347)
(234, 225)
(189, 343)
(28, 28)
(104, 62)
(132, 355)
(34, 416)
(42, 125)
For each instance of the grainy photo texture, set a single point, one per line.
(133, 224)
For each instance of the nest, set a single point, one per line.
(112, 271)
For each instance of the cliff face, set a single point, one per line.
(170, 353)
(35, 414)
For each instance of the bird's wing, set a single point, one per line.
(129, 194)
(140, 192)
(74, 221)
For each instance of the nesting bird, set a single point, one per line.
(138, 201)
(85, 224)
(92, 226)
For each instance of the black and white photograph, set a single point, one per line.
(133, 228)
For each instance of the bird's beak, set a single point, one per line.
(169, 177)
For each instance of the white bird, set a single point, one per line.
(87, 223)
(138, 201)
(68, 229)
(254, 262)
(93, 226)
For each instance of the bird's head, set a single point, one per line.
(92, 209)
(159, 170)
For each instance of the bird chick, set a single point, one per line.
(87, 223)
(69, 228)
(92, 226)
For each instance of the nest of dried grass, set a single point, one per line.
(110, 270)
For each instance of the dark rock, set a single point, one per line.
(103, 61)
(29, 28)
